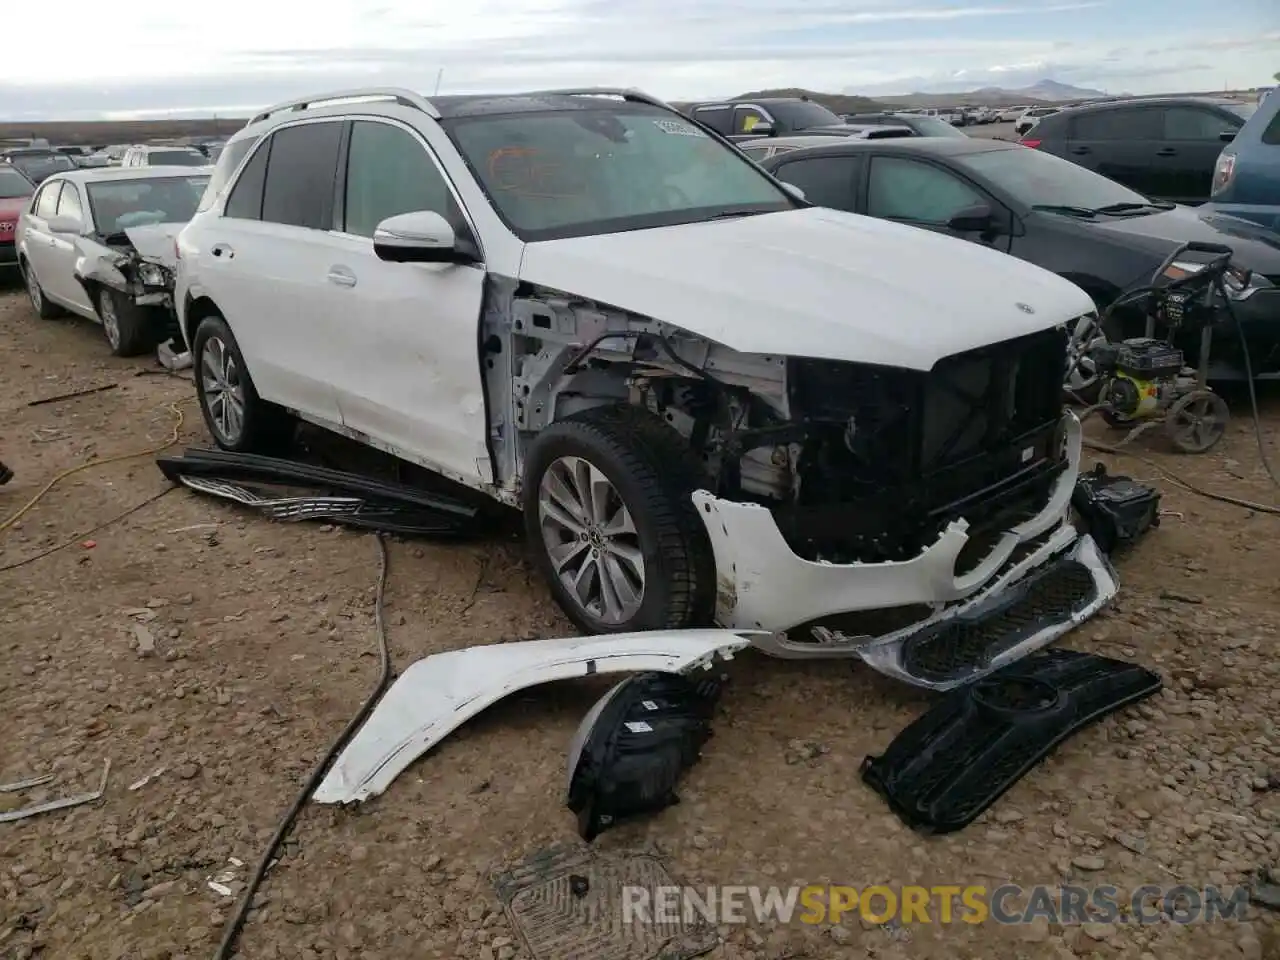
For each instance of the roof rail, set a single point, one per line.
(400, 95)
(626, 93)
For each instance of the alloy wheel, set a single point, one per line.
(591, 539)
(224, 394)
(110, 319)
(1082, 370)
(33, 288)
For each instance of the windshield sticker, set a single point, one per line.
(678, 127)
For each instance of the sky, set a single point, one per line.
(152, 58)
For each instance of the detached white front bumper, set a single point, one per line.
(763, 585)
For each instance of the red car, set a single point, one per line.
(15, 194)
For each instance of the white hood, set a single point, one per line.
(155, 242)
(814, 283)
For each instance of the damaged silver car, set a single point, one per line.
(100, 243)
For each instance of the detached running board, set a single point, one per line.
(956, 760)
(355, 499)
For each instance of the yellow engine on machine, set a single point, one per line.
(1135, 398)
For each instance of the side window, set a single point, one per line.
(390, 172)
(1190, 123)
(300, 175)
(719, 119)
(1271, 135)
(756, 153)
(826, 181)
(227, 162)
(69, 205)
(245, 201)
(745, 118)
(46, 204)
(909, 190)
(1136, 124)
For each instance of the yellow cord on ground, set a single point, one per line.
(176, 408)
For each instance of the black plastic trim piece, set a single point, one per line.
(225, 465)
(957, 759)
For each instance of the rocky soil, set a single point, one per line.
(211, 657)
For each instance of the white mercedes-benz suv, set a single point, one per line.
(711, 400)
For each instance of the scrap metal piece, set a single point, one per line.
(62, 803)
(246, 467)
(350, 511)
(957, 759)
(58, 398)
(569, 903)
(440, 693)
(19, 785)
(634, 744)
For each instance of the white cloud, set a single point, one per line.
(153, 56)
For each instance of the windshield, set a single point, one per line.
(13, 184)
(37, 166)
(1043, 180)
(118, 204)
(1242, 110)
(179, 158)
(606, 169)
(801, 114)
(933, 127)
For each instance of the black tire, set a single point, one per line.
(263, 427)
(44, 308)
(653, 471)
(128, 327)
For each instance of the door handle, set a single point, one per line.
(342, 277)
(1166, 152)
(222, 250)
(1081, 150)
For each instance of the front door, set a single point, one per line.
(60, 279)
(1119, 143)
(926, 195)
(407, 332)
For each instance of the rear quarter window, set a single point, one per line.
(224, 169)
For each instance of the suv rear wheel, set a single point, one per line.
(608, 515)
(238, 418)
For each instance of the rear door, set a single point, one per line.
(37, 240)
(926, 194)
(826, 181)
(264, 265)
(1119, 143)
(718, 118)
(1185, 158)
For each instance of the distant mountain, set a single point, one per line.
(1045, 91)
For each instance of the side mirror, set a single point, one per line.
(975, 219)
(1226, 136)
(762, 128)
(422, 236)
(792, 189)
(64, 224)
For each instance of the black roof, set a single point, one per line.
(938, 146)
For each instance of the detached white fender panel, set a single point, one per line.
(440, 693)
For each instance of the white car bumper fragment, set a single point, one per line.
(439, 693)
(763, 585)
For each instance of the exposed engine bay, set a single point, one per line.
(137, 261)
(857, 463)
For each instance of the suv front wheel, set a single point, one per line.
(608, 515)
(238, 418)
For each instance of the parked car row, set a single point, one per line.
(587, 306)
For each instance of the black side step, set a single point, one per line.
(246, 467)
(957, 759)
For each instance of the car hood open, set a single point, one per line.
(440, 693)
(813, 282)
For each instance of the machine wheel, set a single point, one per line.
(126, 325)
(1196, 421)
(608, 514)
(238, 418)
(44, 307)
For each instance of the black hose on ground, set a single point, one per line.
(226, 949)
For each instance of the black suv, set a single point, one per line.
(767, 117)
(1162, 147)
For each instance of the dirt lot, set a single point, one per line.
(265, 648)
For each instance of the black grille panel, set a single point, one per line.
(977, 436)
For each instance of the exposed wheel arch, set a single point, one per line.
(195, 310)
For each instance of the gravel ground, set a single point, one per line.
(263, 648)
